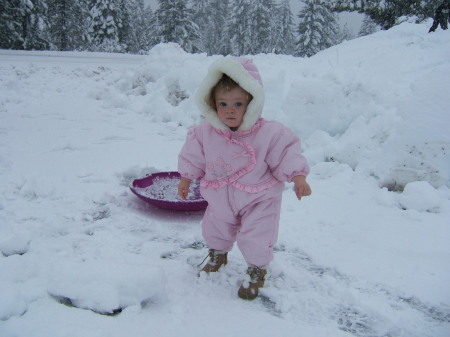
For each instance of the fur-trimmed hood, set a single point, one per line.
(244, 72)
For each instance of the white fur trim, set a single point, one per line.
(234, 69)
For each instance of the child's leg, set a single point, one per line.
(259, 231)
(219, 230)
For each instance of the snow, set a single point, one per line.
(167, 189)
(421, 196)
(366, 255)
(107, 285)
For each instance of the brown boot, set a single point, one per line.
(216, 260)
(252, 282)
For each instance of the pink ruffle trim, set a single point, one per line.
(238, 174)
(240, 186)
(255, 189)
(232, 179)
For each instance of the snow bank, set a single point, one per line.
(106, 286)
(421, 196)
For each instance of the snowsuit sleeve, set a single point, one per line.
(285, 158)
(191, 160)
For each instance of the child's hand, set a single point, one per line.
(183, 187)
(301, 187)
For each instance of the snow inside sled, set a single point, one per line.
(161, 189)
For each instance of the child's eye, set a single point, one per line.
(222, 104)
(238, 104)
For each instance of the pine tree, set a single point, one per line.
(174, 25)
(216, 37)
(283, 30)
(318, 28)
(11, 24)
(68, 24)
(141, 27)
(386, 13)
(81, 25)
(150, 30)
(58, 13)
(35, 25)
(125, 29)
(238, 27)
(262, 26)
(136, 24)
(200, 10)
(201, 16)
(105, 26)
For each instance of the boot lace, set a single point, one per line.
(213, 258)
(255, 274)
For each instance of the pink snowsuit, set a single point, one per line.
(242, 172)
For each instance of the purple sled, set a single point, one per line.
(147, 189)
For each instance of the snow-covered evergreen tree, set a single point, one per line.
(59, 17)
(201, 16)
(368, 27)
(137, 31)
(199, 9)
(216, 38)
(283, 30)
(106, 25)
(262, 26)
(238, 25)
(11, 13)
(35, 25)
(69, 24)
(174, 25)
(80, 26)
(148, 33)
(386, 13)
(151, 29)
(97, 25)
(125, 30)
(317, 30)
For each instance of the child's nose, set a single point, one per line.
(231, 109)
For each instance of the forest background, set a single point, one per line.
(215, 27)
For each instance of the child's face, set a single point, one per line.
(231, 106)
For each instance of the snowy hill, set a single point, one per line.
(363, 256)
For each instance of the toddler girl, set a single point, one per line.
(243, 161)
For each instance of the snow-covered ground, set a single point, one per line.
(360, 257)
